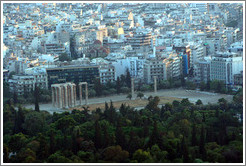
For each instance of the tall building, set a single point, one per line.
(141, 39)
(202, 70)
(173, 65)
(225, 65)
(154, 67)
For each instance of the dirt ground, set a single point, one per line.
(167, 95)
(131, 103)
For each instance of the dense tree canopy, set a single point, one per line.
(177, 132)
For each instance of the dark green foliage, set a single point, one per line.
(128, 78)
(64, 57)
(118, 85)
(233, 24)
(140, 95)
(36, 96)
(98, 87)
(178, 132)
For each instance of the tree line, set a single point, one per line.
(175, 133)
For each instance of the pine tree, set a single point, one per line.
(155, 136)
(107, 139)
(128, 78)
(98, 87)
(118, 85)
(36, 96)
(52, 141)
(15, 97)
(185, 152)
(120, 137)
(193, 136)
(98, 135)
(202, 143)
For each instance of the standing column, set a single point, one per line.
(155, 85)
(72, 96)
(60, 97)
(53, 96)
(69, 96)
(86, 94)
(66, 96)
(132, 86)
(80, 94)
(75, 95)
(57, 96)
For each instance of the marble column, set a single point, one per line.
(75, 95)
(132, 86)
(80, 94)
(65, 96)
(86, 94)
(72, 96)
(57, 96)
(53, 96)
(60, 97)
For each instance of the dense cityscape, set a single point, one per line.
(122, 82)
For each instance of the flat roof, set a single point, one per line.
(72, 67)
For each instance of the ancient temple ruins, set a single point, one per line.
(64, 94)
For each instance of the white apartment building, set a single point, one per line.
(26, 82)
(107, 74)
(173, 65)
(154, 67)
(202, 70)
(224, 66)
(134, 64)
(198, 51)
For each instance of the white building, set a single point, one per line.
(134, 65)
(225, 65)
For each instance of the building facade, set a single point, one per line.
(72, 73)
(107, 74)
(202, 71)
(154, 67)
(224, 66)
(26, 83)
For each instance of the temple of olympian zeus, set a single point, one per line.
(64, 95)
(155, 85)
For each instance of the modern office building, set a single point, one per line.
(72, 73)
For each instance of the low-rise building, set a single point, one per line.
(21, 84)
(238, 79)
(107, 74)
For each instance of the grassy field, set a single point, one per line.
(131, 103)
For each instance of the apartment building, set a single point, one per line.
(26, 83)
(154, 67)
(202, 70)
(225, 65)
